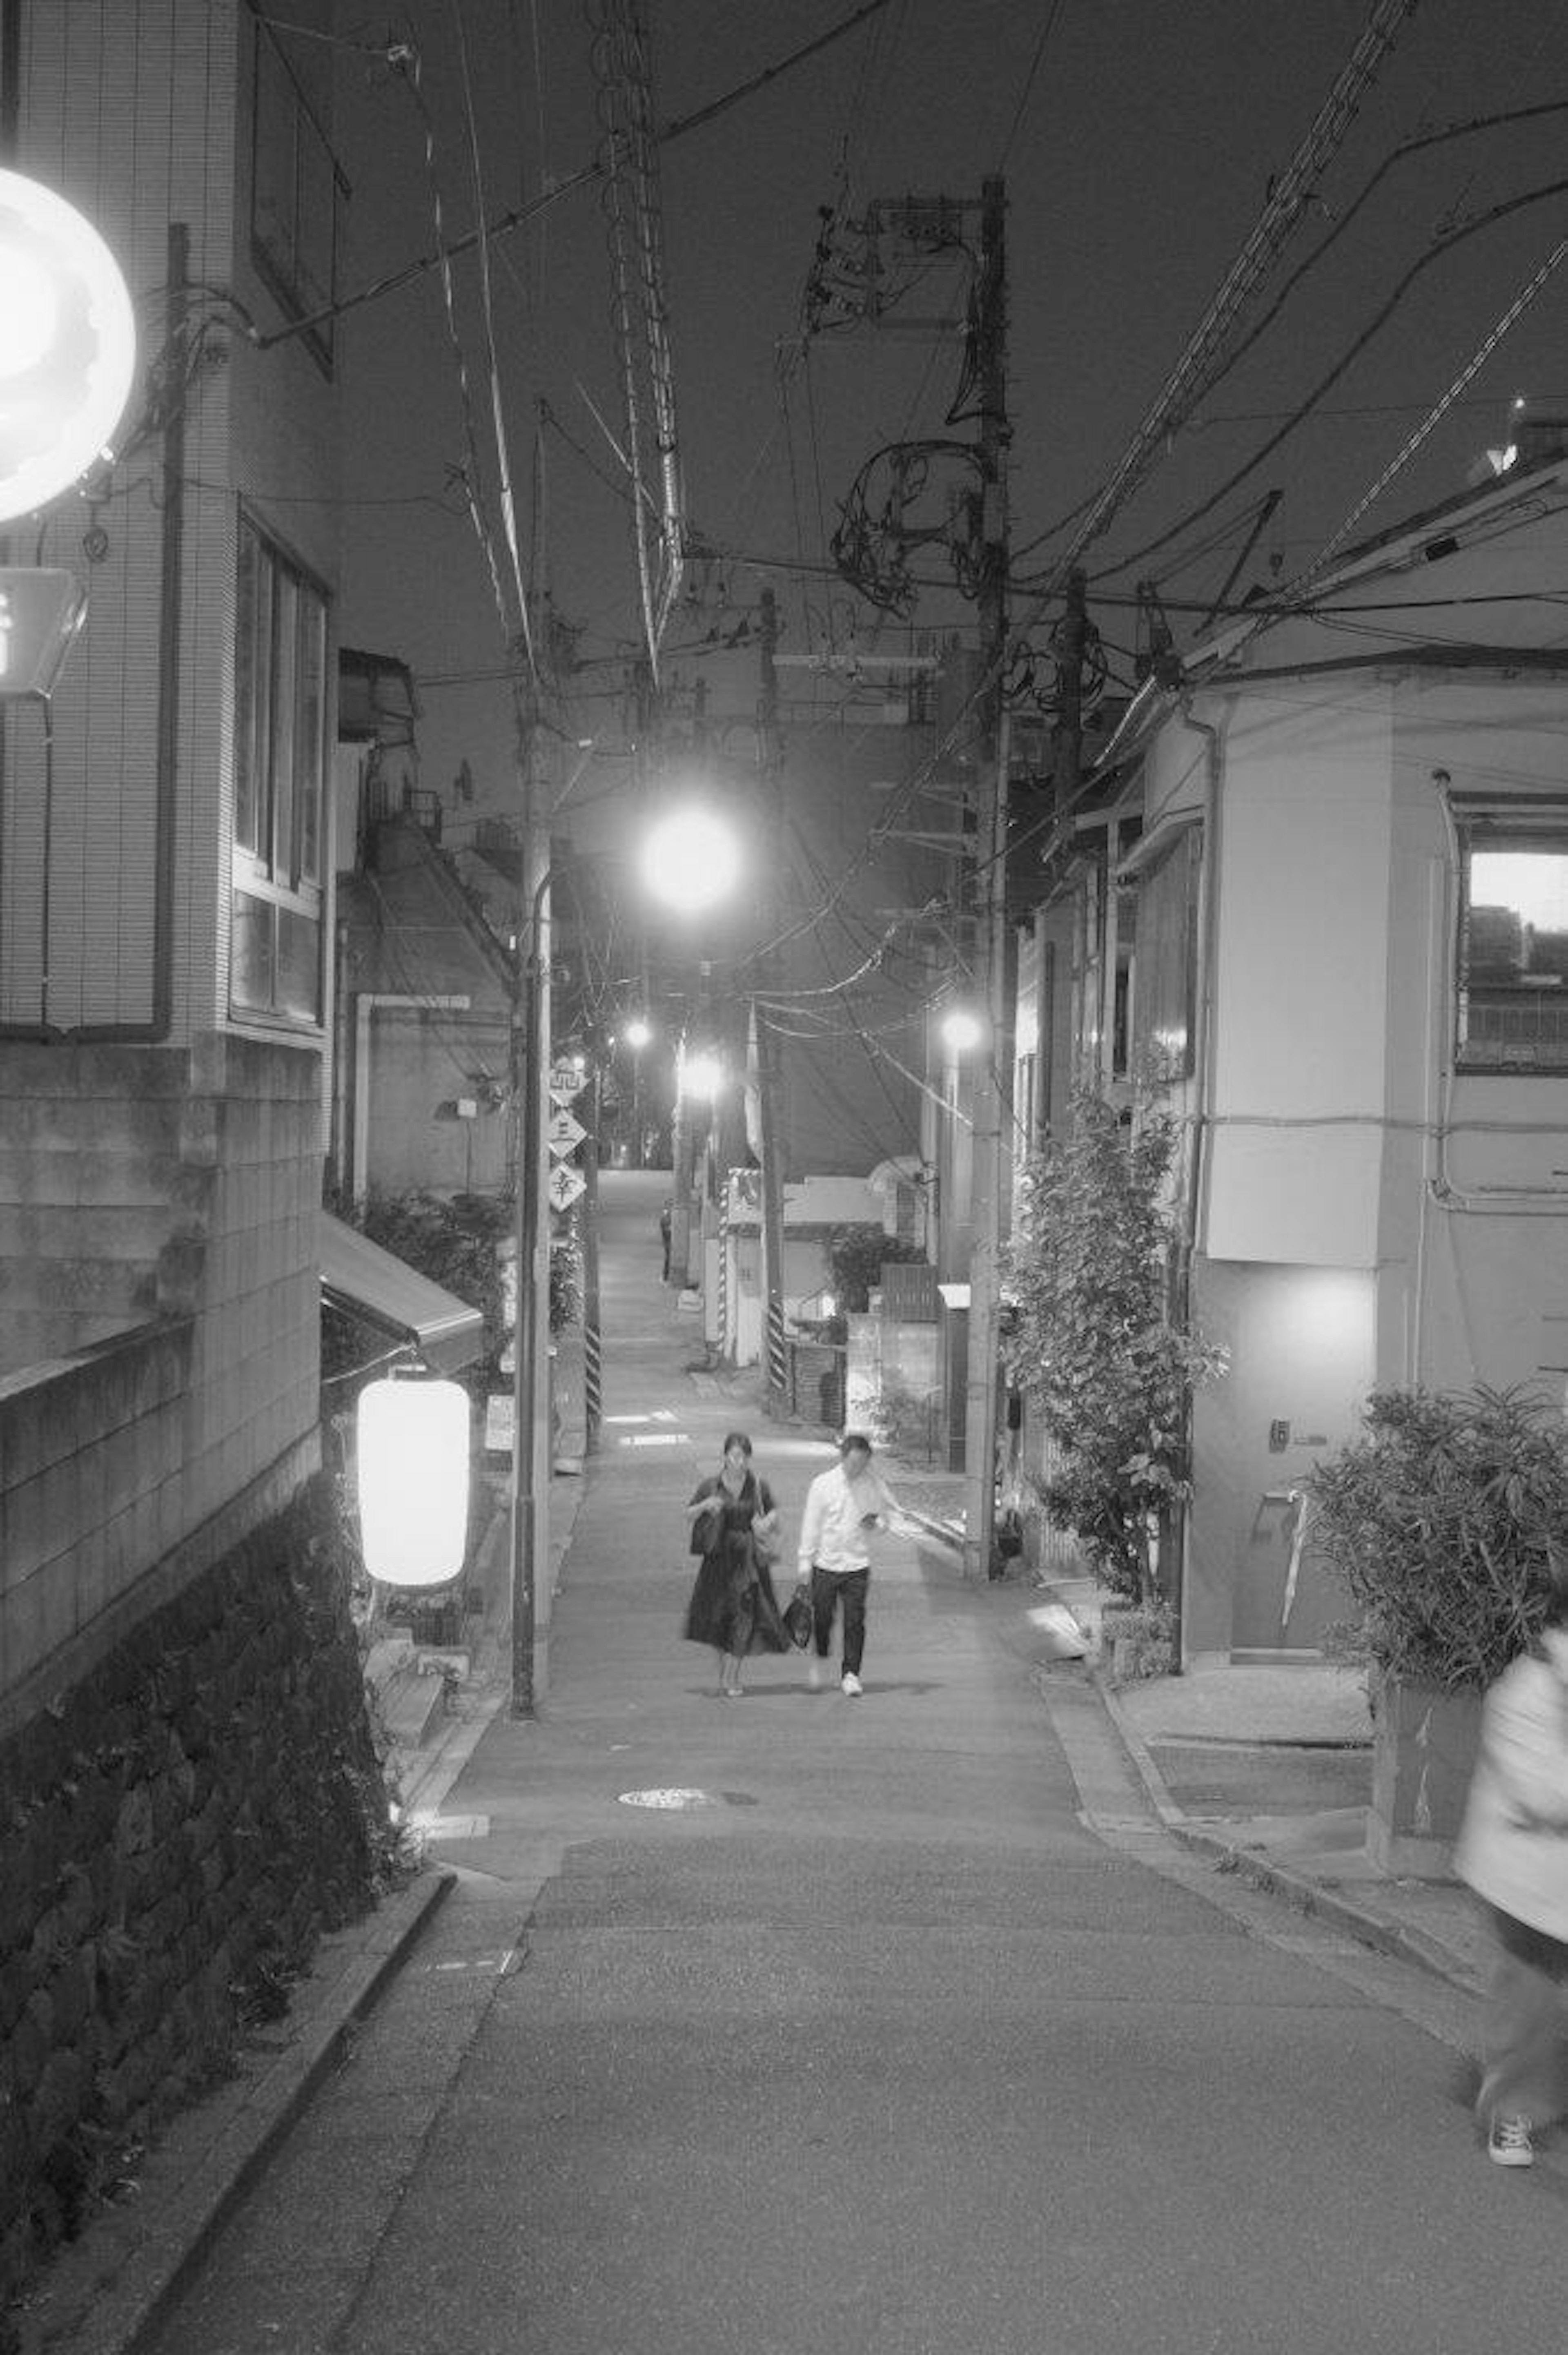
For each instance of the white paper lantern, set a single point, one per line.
(413, 1450)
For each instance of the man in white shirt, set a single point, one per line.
(841, 1507)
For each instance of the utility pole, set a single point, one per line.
(993, 1103)
(593, 1342)
(770, 769)
(531, 1438)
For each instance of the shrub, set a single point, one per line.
(1091, 1340)
(856, 1257)
(1445, 1524)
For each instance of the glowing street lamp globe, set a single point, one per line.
(690, 861)
(961, 1030)
(67, 345)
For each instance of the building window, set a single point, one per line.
(1157, 965)
(295, 180)
(280, 769)
(1513, 942)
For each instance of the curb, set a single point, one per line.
(1362, 1922)
(104, 2293)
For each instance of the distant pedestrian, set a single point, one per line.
(842, 1506)
(666, 1225)
(734, 1527)
(1513, 1851)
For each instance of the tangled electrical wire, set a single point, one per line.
(880, 528)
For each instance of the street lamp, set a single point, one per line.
(690, 859)
(962, 1030)
(636, 1034)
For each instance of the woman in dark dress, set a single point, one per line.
(733, 1606)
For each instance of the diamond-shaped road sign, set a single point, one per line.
(565, 1132)
(564, 1184)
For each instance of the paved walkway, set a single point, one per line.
(1277, 1727)
(1268, 1769)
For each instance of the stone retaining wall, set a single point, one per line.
(175, 1832)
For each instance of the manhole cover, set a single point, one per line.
(670, 1799)
(673, 1800)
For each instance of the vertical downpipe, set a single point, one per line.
(171, 618)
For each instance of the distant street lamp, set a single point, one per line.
(690, 860)
(636, 1034)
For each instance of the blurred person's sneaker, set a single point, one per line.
(1510, 2144)
(817, 1675)
(853, 1687)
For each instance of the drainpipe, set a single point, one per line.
(365, 1002)
(1202, 1070)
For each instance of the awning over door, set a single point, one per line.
(359, 1276)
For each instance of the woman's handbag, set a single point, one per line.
(797, 1616)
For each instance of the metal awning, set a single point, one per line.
(359, 1276)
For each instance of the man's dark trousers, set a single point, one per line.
(829, 1588)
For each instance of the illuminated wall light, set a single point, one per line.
(413, 1453)
(67, 345)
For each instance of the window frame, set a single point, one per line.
(281, 777)
(1175, 964)
(1519, 825)
(292, 169)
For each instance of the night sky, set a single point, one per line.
(1138, 140)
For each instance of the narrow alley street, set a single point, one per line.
(906, 2031)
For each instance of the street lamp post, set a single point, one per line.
(688, 862)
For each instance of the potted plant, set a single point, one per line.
(1441, 1522)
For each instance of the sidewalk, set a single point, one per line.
(1242, 1734)
(1269, 1770)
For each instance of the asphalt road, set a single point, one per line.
(915, 2036)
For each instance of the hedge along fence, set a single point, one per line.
(175, 1833)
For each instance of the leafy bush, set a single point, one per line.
(856, 1257)
(1446, 1525)
(1090, 1338)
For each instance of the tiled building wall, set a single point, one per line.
(114, 1463)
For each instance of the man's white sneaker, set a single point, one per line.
(853, 1687)
(1509, 2143)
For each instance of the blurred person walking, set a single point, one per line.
(1512, 1849)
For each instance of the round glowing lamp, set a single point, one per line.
(413, 1449)
(67, 345)
(700, 1077)
(690, 861)
(961, 1030)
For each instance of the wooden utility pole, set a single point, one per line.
(531, 1440)
(992, 1101)
(770, 1109)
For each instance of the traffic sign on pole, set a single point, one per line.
(564, 1184)
(565, 1132)
(567, 1081)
